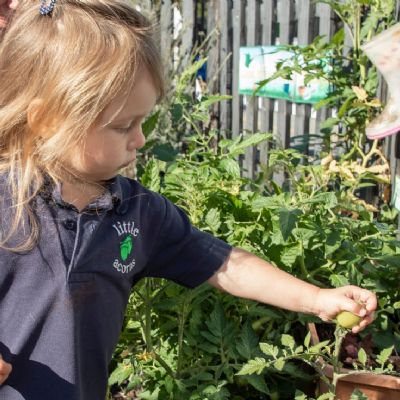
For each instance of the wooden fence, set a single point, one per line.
(236, 23)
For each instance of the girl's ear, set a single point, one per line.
(36, 121)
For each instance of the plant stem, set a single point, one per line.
(340, 333)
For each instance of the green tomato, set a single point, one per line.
(346, 319)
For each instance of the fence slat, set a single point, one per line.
(225, 63)
(212, 50)
(266, 116)
(304, 33)
(250, 111)
(285, 12)
(166, 31)
(236, 100)
(325, 28)
(187, 31)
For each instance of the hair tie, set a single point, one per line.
(47, 10)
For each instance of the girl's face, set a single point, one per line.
(112, 143)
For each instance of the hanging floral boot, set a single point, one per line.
(384, 52)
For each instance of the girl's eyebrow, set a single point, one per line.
(144, 113)
(126, 119)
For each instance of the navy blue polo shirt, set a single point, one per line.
(62, 304)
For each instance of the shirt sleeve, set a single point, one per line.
(183, 253)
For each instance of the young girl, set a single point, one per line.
(77, 80)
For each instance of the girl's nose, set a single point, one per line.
(138, 140)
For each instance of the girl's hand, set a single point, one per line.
(5, 370)
(5, 7)
(330, 302)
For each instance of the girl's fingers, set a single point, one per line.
(363, 324)
(366, 297)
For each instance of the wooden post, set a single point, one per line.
(187, 31)
(285, 12)
(249, 116)
(236, 99)
(212, 63)
(266, 119)
(303, 111)
(325, 14)
(166, 31)
(225, 65)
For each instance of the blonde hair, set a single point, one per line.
(75, 61)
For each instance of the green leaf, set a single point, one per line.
(288, 341)
(279, 364)
(358, 395)
(248, 341)
(328, 124)
(230, 166)
(165, 152)
(338, 280)
(217, 323)
(176, 112)
(213, 219)
(289, 255)
(269, 349)
(209, 336)
(253, 366)
(149, 395)
(149, 125)
(392, 260)
(261, 202)
(204, 376)
(362, 356)
(384, 355)
(317, 347)
(121, 373)
(134, 382)
(258, 382)
(300, 396)
(210, 100)
(251, 140)
(338, 37)
(326, 396)
(287, 221)
(329, 200)
(307, 340)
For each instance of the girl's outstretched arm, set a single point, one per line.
(246, 275)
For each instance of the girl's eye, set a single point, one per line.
(123, 130)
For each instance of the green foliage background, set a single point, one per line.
(203, 344)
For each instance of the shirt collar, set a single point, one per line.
(114, 196)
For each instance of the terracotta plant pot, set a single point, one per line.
(374, 386)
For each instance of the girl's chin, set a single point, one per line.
(127, 164)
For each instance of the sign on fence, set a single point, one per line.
(396, 193)
(260, 63)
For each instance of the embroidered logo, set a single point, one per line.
(126, 247)
(127, 232)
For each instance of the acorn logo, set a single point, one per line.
(126, 247)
